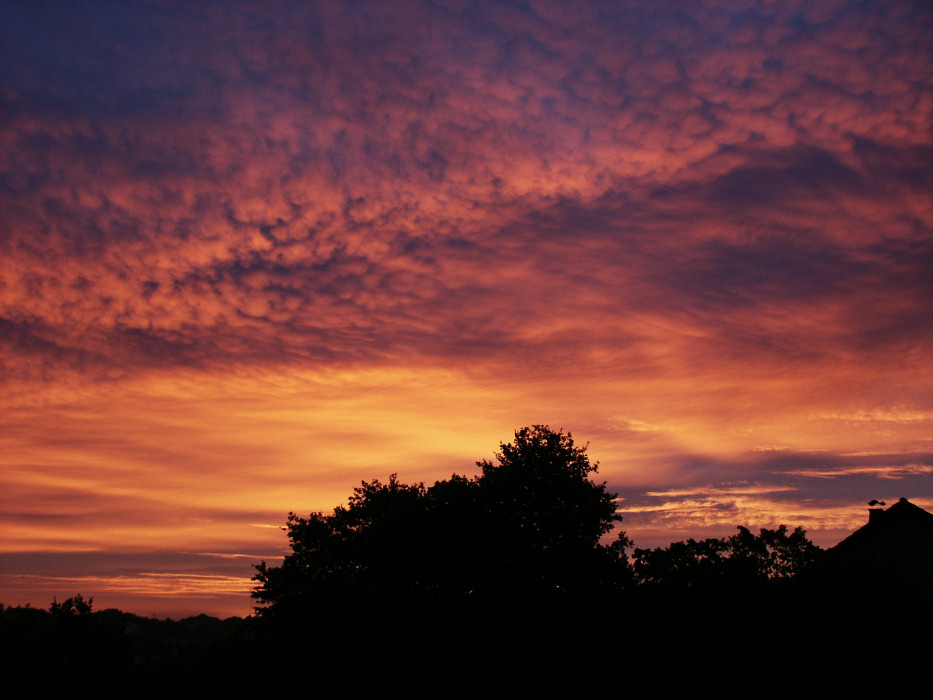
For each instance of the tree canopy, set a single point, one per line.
(740, 560)
(74, 606)
(529, 524)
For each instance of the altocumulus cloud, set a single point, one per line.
(314, 183)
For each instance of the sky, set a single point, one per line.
(252, 254)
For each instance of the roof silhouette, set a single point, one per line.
(895, 545)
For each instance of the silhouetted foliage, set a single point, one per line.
(772, 554)
(413, 631)
(73, 606)
(111, 653)
(547, 517)
(530, 524)
(740, 560)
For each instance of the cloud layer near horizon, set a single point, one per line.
(698, 235)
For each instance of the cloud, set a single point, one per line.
(824, 492)
(150, 584)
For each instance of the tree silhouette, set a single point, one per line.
(528, 525)
(547, 517)
(741, 560)
(71, 607)
(772, 555)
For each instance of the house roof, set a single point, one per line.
(896, 543)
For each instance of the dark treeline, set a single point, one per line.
(506, 581)
(113, 653)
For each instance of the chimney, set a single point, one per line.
(875, 515)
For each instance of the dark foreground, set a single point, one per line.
(763, 643)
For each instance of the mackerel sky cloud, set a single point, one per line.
(251, 255)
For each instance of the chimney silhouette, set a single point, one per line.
(874, 514)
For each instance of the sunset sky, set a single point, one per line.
(254, 253)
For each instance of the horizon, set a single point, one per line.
(252, 256)
(231, 604)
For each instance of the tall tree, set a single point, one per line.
(530, 524)
(548, 517)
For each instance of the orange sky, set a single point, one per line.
(250, 257)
